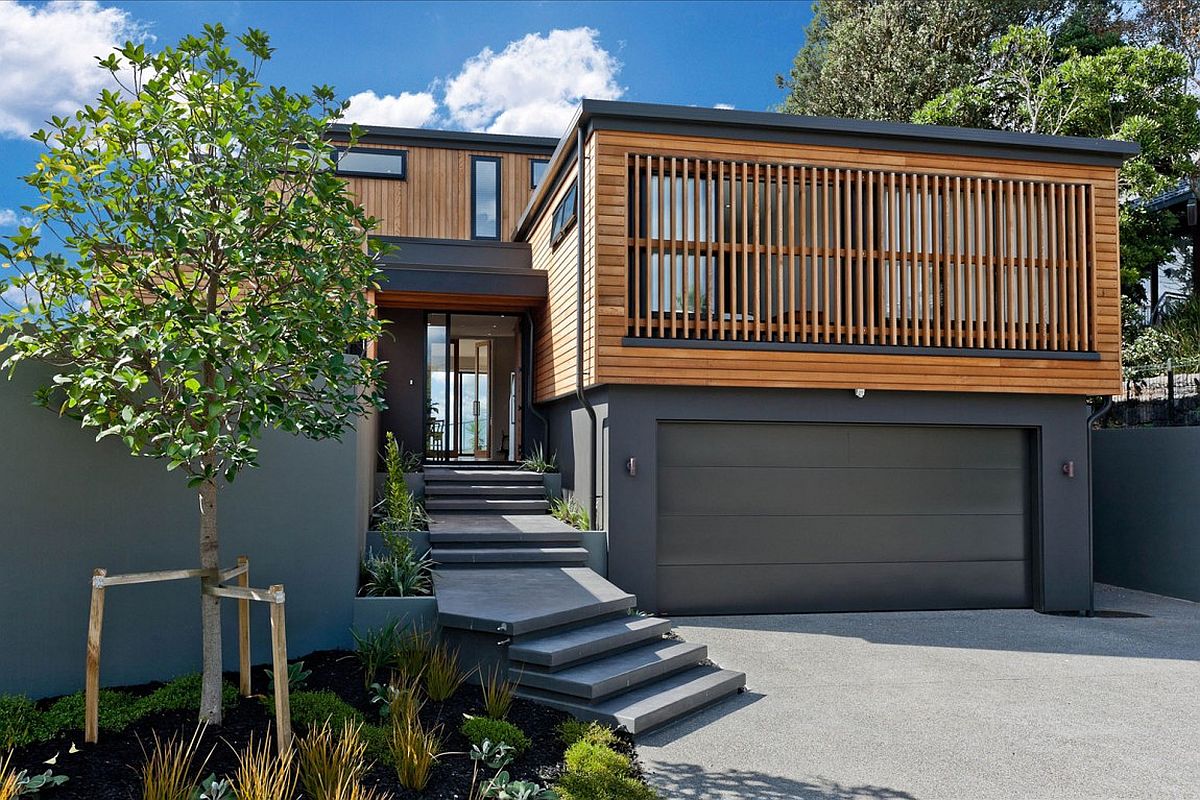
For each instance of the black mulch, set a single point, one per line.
(108, 770)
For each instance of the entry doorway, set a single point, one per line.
(472, 381)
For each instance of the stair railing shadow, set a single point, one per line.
(686, 781)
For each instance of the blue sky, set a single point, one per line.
(506, 67)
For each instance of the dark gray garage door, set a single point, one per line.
(761, 517)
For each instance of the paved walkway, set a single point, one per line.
(956, 705)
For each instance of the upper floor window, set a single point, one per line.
(564, 215)
(485, 197)
(537, 171)
(373, 162)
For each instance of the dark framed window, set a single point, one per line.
(373, 162)
(564, 216)
(485, 197)
(537, 171)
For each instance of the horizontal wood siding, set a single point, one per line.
(434, 201)
(1045, 277)
(555, 341)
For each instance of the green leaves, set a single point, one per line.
(213, 275)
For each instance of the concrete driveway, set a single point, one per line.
(964, 704)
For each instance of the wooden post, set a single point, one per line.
(283, 714)
(244, 629)
(91, 713)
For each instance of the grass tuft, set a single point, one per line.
(442, 674)
(169, 771)
(498, 693)
(329, 762)
(263, 774)
(10, 786)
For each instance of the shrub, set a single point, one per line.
(314, 709)
(263, 774)
(179, 694)
(168, 771)
(296, 676)
(18, 721)
(481, 729)
(597, 772)
(498, 694)
(398, 572)
(399, 510)
(570, 511)
(376, 649)
(442, 675)
(330, 763)
(571, 731)
(118, 711)
(536, 461)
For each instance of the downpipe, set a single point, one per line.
(580, 345)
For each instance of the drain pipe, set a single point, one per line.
(1092, 419)
(579, 393)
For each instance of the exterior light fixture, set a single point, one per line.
(860, 393)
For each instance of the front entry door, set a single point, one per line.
(480, 426)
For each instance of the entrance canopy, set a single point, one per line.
(455, 275)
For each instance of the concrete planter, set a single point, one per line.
(553, 483)
(414, 480)
(596, 543)
(410, 613)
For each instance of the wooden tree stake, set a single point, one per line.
(91, 713)
(244, 629)
(283, 713)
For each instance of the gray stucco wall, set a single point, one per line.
(1062, 562)
(1147, 530)
(569, 431)
(69, 504)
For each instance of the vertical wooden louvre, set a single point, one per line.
(772, 253)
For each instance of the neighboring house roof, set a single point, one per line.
(1172, 199)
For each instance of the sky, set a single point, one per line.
(487, 66)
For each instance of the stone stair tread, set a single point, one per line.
(568, 537)
(482, 476)
(520, 600)
(562, 648)
(518, 555)
(615, 673)
(532, 490)
(652, 704)
(485, 504)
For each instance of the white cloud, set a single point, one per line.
(48, 58)
(724, 106)
(405, 110)
(8, 217)
(534, 84)
(13, 296)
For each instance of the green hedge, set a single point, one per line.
(477, 729)
(595, 771)
(21, 722)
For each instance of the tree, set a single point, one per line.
(217, 277)
(884, 59)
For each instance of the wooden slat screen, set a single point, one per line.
(759, 252)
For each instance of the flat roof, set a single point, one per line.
(453, 140)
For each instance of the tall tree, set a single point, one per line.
(883, 59)
(214, 275)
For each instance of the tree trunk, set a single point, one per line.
(210, 607)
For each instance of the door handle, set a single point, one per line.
(475, 408)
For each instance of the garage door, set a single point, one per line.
(756, 517)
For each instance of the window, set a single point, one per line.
(485, 197)
(537, 171)
(373, 163)
(564, 215)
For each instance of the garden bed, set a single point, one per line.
(109, 769)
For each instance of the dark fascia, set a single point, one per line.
(450, 140)
(768, 126)
(485, 254)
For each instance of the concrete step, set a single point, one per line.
(449, 475)
(555, 651)
(500, 506)
(509, 556)
(453, 539)
(594, 680)
(523, 600)
(652, 704)
(531, 490)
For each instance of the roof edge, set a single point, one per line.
(459, 140)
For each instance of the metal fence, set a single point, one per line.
(1158, 395)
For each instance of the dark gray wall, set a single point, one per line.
(1062, 558)
(1147, 531)
(568, 438)
(403, 348)
(69, 504)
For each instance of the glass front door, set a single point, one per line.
(471, 384)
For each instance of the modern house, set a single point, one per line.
(791, 363)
